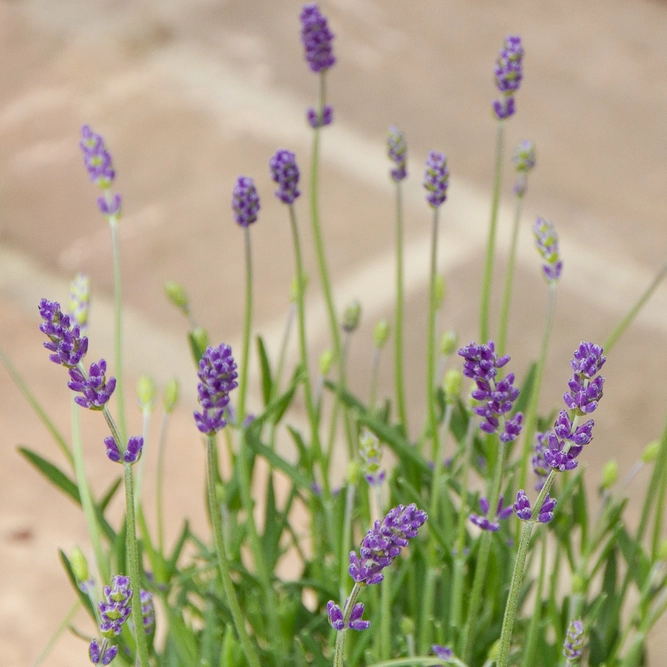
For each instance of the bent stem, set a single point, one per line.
(221, 553)
(531, 417)
(627, 320)
(118, 327)
(398, 325)
(490, 248)
(134, 565)
(509, 279)
(339, 649)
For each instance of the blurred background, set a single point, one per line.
(189, 94)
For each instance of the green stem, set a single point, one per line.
(159, 482)
(118, 327)
(533, 629)
(39, 411)
(627, 320)
(375, 367)
(339, 649)
(531, 417)
(346, 541)
(311, 407)
(134, 565)
(490, 248)
(483, 555)
(509, 278)
(430, 342)
(385, 616)
(225, 575)
(87, 503)
(247, 321)
(398, 325)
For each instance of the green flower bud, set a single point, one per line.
(609, 474)
(578, 584)
(326, 359)
(170, 395)
(351, 316)
(79, 300)
(198, 341)
(177, 295)
(381, 334)
(452, 384)
(370, 452)
(145, 392)
(353, 474)
(448, 343)
(293, 293)
(440, 290)
(651, 452)
(407, 626)
(79, 564)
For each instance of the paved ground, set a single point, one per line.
(190, 94)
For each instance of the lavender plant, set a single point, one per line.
(536, 580)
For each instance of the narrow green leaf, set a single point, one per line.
(265, 368)
(85, 600)
(110, 493)
(54, 474)
(299, 480)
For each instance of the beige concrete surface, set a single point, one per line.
(189, 94)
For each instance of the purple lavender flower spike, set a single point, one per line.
(398, 153)
(383, 543)
(588, 360)
(546, 241)
(285, 173)
(335, 616)
(217, 377)
(508, 74)
(522, 506)
(147, 611)
(585, 388)
(436, 179)
(113, 453)
(245, 201)
(524, 161)
(501, 514)
(573, 646)
(65, 340)
(356, 622)
(546, 513)
(316, 38)
(96, 158)
(481, 365)
(558, 456)
(316, 120)
(443, 652)
(102, 655)
(133, 451)
(115, 609)
(96, 389)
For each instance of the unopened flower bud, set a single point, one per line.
(381, 334)
(177, 295)
(609, 474)
(79, 301)
(198, 342)
(326, 359)
(170, 395)
(407, 625)
(448, 343)
(353, 474)
(145, 392)
(370, 452)
(79, 564)
(650, 454)
(351, 316)
(452, 384)
(578, 584)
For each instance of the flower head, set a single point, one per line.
(443, 652)
(436, 178)
(316, 38)
(147, 611)
(397, 150)
(101, 654)
(523, 511)
(96, 158)
(508, 73)
(79, 300)
(316, 119)
(524, 161)
(217, 377)
(370, 452)
(337, 620)
(245, 201)
(497, 398)
(285, 173)
(585, 385)
(131, 454)
(383, 543)
(546, 241)
(483, 522)
(573, 646)
(115, 609)
(96, 390)
(65, 339)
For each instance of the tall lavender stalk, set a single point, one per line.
(508, 74)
